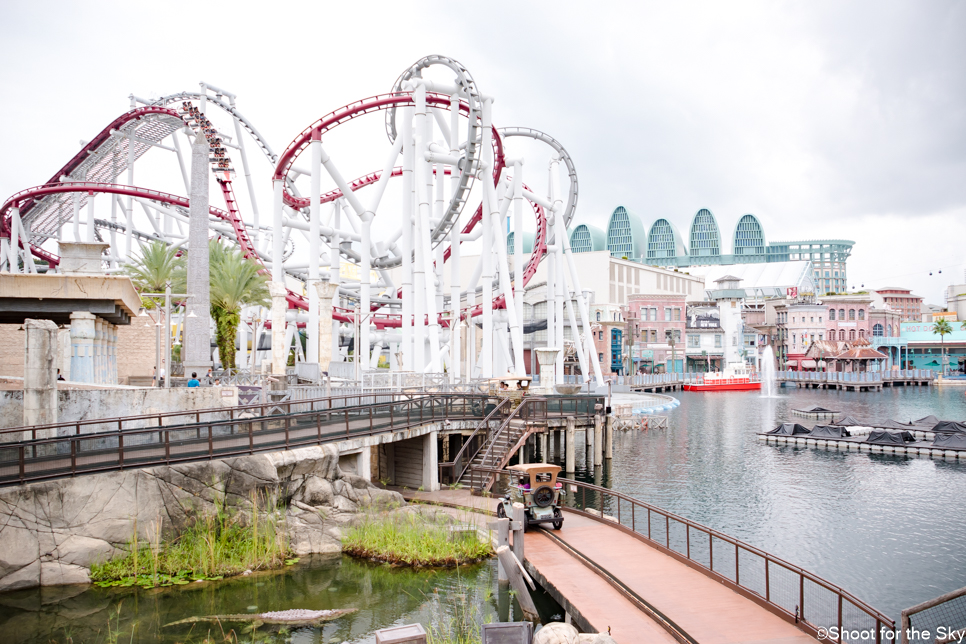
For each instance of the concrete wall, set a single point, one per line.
(135, 350)
(88, 403)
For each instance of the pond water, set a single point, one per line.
(890, 529)
(444, 600)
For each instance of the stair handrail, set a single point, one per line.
(487, 481)
(485, 423)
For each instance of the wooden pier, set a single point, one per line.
(614, 572)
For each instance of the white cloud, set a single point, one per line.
(827, 120)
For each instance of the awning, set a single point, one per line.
(808, 364)
(792, 363)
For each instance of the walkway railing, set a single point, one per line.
(55, 451)
(791, 592)
(944, 617)
(453, 471)
(872, 377)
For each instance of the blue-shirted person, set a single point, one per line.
(194, 382)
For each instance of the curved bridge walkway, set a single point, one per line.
(607, 574)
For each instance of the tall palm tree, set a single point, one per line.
(158, 264)
(235, 282)
(943, 328)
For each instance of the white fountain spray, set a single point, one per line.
(768, 381)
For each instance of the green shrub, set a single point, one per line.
(412, 539)
(214, 545)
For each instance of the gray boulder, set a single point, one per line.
(556, 633)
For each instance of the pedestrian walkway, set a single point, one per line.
(706, 610)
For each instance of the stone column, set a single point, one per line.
(40, 374)
(197, 330)
(114, 355)
(64, 353)
(571, 431)
(326, 291)
(99, 351)
(82, 347)
(548, 360)
(430, 463)
(279, 307)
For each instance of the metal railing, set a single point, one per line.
(480, 478)
(454, 470)
(279, 426)
(942, 618)
(789, 591)
(856, 376)
(61, 450)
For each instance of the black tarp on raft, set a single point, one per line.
(882, 437)
(848, 421)
(789, 429)
(949, 427)
(828, 431)
(950, 441)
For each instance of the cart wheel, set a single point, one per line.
(500, 511)
(558, 522)
(526, 523)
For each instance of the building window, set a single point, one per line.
(717, 342)
(820, 336)
(851, 314)
(793, 339)
(677, 315)
(600, 357)
(653, 335)
(841, 314)
(841, 335)
(861, 333)
(831, 314)
(812, 319)
(877, 330)
(694, 341)
(861, 314)
(598, 316)
(852, 335)
(667, 314)
(820, 319)
(601, 336)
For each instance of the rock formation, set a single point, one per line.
(53, 531)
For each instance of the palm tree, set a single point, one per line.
(235, 282)
(158, 264)
(943, 328)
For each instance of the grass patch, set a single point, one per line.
(214, 545)
(412, 539)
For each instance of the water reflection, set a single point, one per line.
(442, 599)
(888, 528)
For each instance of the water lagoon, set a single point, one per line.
(448, 600)
(890, 529)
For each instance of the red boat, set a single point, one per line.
(735, 377)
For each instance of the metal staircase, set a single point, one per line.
(499, 447)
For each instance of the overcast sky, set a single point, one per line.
(824, 119)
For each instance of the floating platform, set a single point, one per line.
(816, 412)
(857, 443)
